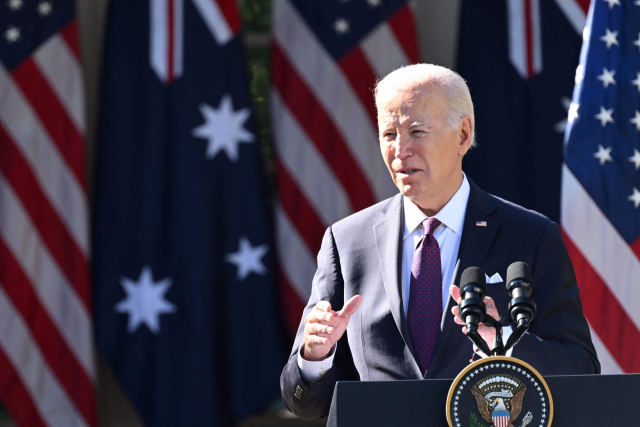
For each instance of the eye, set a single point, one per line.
(417, 132)
(389, 135)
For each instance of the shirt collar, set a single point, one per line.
(451, 215)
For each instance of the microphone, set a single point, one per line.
(473, 288)
(522, 309)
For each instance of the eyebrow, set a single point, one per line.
(417, 124)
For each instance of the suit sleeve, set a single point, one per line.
(559, 340)
(311, 400)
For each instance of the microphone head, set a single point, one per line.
(474, 276)
(519, 271)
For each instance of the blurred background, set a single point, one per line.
(168, 169)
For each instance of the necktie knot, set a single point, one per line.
(430, 225)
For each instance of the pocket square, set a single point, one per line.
(496, 278)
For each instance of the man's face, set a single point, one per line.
(423, 154)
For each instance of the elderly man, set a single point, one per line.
(389, 268)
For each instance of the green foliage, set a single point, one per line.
(256, 15)
(474, 421)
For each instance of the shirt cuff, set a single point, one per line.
(506, 333)
(314, 371)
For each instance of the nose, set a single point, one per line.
(402, 148)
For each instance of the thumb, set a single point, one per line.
(350, 306)
(455, 292)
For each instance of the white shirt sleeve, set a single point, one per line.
(314, 371)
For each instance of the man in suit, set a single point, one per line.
(392, 267)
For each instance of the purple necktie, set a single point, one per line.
(425, 295)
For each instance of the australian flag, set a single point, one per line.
(183, 254)
(519, 58)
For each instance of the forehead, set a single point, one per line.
(410, 103)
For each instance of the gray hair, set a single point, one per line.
(455, 89)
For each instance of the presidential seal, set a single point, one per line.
(499, 391)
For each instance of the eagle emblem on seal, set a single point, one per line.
(499, 399)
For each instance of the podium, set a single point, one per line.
(584, 400)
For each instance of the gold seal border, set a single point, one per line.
(462, 373)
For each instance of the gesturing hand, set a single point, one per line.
(323, 327)
(488, 333)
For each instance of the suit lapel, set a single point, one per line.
(388, 235)
(474, 247)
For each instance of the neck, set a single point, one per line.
(432, 205)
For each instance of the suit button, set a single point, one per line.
(298, 393)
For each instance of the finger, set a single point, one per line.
(350, 306)
(323, 306)
(316, 340)
(318, 329)
(316, 316)
(455, 293)
(492, 310)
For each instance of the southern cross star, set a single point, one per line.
(223, 128)
(145, 301)
(248, 258)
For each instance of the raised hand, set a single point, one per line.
(488, 333)
(323, 327)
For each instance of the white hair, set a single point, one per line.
(455, 89)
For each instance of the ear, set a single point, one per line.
(465, 132)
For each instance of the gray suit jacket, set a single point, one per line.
(361, 255)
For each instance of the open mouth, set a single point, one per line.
(407, 171)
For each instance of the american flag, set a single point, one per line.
(46, 343)
(601, 178)
(326, 57)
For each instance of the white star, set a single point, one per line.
(14, 4)
(637, 42)
(45, 8)
(603, 154)
(610, 38)
(607, 77)
(637, 2)
(605, 116)
(573, 112)
(341, 26)
(613, 3)
(635, 159)
(145, 301)
(635, 197)
(12, 34)
(636, 82)
(561, 126)
(636, 120)
(247, 259)
(223, 128)
(374, 3)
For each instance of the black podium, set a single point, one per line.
(588, 400)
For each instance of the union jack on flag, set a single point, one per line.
(601, 178)
(326, 57)
(46, 341)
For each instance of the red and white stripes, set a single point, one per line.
(47, 369)
(324, 123)
(525, 44)
(606, 267)
(166, 31)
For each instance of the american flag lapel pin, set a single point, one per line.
(481, 223)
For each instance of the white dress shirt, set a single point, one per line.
(448, 235)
